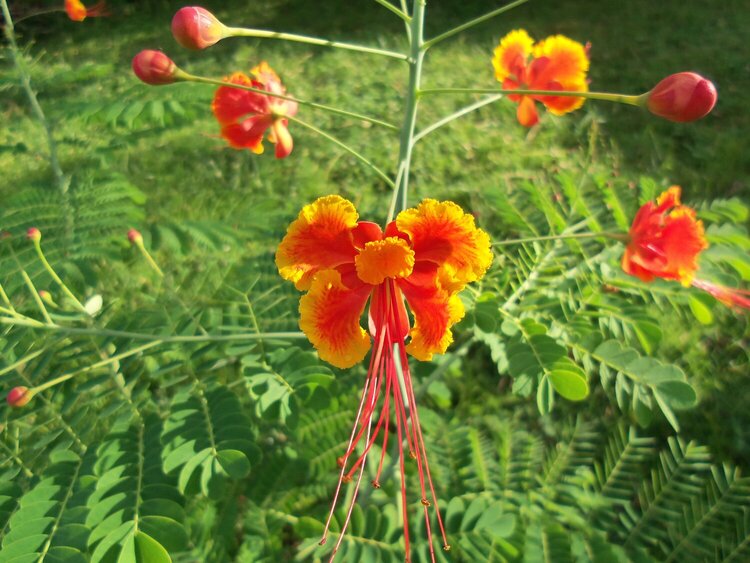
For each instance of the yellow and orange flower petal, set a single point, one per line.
(568, 59)
(442, 233)
(526, 112)
(381, 259)
(666, 240)
(78, 12)
(264, 74)
(230, 104)
(511, 52)
(319, 239)
(329, 316)
(435, 311)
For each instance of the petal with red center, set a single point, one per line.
(526, 112)
(381, 259)
(683, 240)
(319, 239)
(441, 233)
(247, 134)
(568, 62)
(329, 317)
(282, 138)
(435, 311)
(511, 53)
(230, 104)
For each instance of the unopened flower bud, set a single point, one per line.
(19, 397)
(34, 234)
(685, 96)
(196, 28)
(134, 236)
(45, 296)
(155, 68)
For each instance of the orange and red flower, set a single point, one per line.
(423, 259)
(245, 116)
(665, 241)
(555, 63)
(78, 12)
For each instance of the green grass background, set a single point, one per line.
(82, 73)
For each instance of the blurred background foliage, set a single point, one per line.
(575, 483)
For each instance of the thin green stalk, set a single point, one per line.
(18, 60)
(375, 121)
(633, 100)
(4, 297)
(149, 259)
(472, 23)
(363, 159)
(145, 336)
(54, 276)
(615, 236)
(265, 34)
(388, 6)
(455, 115)
(22, 361)
(400, 192)
(102, 363)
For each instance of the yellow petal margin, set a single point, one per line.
(319, 239)
(516, 43)
(329, 317)
(442, 233)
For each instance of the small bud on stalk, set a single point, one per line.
(19, 397)
(156, 68)
(135, 236)
(681, 97)
(46, 297)
(196, 28)
(34, 234)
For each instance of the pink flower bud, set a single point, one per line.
(155, 68)
(19, 397)
(196, 28)
(134, 236)
(685, 96)
(34, 234)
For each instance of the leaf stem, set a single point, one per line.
(455, 115)
(363, 159)
(387, 5)
(633, 100)
(266, 34)
(54, 276)
(186, 77)
(622, 237)
(471, 23)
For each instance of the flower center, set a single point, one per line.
(381, 259)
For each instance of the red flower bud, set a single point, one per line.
(155, 68)
(685, 96)
(196, 28)
(34, 234)
(134, 236)
(19, 397)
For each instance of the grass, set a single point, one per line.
(85, 84)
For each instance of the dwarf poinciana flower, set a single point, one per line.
(555, 63)
(424, 259)
(78, 12)
(665, 241)
(245, 116)
(685, 96)
(196, 28)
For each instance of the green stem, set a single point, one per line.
(54, 276)
(192, 78)
(387, 5)
(363, 159)
(634, 100)
(20, 64)
(455, 115)
(265, 34)
(23, 361)
(147, 255)
(144, 336)
(401, 190)
(472, 23)
(622, 237)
